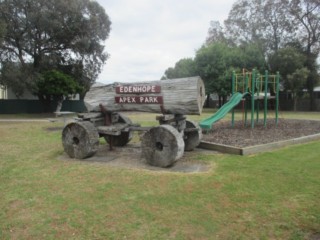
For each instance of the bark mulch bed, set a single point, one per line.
(241, 136)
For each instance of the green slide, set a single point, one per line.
(221, 113)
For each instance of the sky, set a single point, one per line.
(149, 36)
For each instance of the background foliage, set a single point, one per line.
(274, 35)
(40, 36)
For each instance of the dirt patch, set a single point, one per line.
(240, 136)
(130, 157)
(245, 136)
(314, 236)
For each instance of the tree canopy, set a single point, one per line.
(274, 35)
(57, 84)
(215, 62)
(295, 82)
(272, 25)
(183, 68)
(55, 34)
(286, 61)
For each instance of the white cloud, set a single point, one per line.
(148, 36)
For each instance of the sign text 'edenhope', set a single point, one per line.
(127, 89)
(139, 99)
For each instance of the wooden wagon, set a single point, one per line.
(162, 145)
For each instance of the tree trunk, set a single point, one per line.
(46, 103)
(220, 101)
(224, 99)
(311, 106)
(59, 104)
(294, 103)
(208, 100)
(172, 96)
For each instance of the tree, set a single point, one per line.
(2, 31)
(216, 61)
(290, 63)
(211, 66)
(216, 33)
(264, 23)
(183, 68)
(57, 86)
(273, 24)
(295, 82)
(279, 28)
(44, 35)
(286, 61)
(14, 75)
(307, 20)
(251, 56)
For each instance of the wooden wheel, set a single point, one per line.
(192, 135)
(80, 139)
(124, 137)
(162, 146)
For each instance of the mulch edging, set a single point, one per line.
(258, 148)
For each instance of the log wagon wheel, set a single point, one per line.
(80, 139)
(162, 146)
(192, 138)
(124, 137)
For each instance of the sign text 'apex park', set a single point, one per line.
(139, 99)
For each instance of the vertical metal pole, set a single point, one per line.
(253, 76)
(258, 92)
(232, 92)
(246, 102)
(266, 79)
(277, 97)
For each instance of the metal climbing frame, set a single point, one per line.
(252, 84)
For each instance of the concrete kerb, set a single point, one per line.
(25, 120)
(258, 148)
(38, 120)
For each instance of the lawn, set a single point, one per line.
(272, 195)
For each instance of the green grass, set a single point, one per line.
(273, 195)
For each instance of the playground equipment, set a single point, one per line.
(252, 87)
(162, 145)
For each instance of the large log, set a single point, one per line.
(172, 96)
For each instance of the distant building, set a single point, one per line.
(7, 93)
(3, 92)
(316, 92)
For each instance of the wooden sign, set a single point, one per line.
(139, 99)
(136, 89)
(177, 96)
